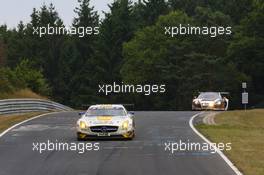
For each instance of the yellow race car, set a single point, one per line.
(106, 121)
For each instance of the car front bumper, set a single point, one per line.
(210, 108)
(120, 133)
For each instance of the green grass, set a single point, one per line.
(8, 121)
(23, 93)
(245, 130)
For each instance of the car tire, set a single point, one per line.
(133, 136)
(79, 138)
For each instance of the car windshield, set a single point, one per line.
(209, 96)
(106, 112)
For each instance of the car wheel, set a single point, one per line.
(133, 136)
(80, 137)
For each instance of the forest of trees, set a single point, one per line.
(133, 49)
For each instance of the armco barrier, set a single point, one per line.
(14, 106)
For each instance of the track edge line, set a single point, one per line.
(27, 120)
(224, 157)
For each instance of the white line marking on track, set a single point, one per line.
(231, 165)
(12, 127)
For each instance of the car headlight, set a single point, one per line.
(125, 125)
(218, 102)
(211, 104)
(83, 125)
(196, 102)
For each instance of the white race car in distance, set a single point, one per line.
(106, 121)
(211, 101)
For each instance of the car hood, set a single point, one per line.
(105, 120)
(207, 100)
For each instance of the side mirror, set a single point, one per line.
(81, 113)
(131, 112)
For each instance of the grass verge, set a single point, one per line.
(245, 130)
(8, 121)
(24, 93)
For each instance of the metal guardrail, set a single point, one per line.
(14, 106)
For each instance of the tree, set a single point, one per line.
(86, 17)
(186, 64)
(236, 9)
(246, 50)
(32, 78)
(188, 6)
(82, 66)
(2, 48)
(68, 69)
(7, 77)
(16, 47)
(132, 48)
(44, 52)
(148, 11)
(24, 75)
(115, 29)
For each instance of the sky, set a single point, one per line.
(13, 11)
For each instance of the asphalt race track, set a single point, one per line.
(145, 155)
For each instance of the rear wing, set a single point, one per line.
(224, 93)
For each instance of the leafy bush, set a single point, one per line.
(7, 78)
(23, 76)
(31, 77)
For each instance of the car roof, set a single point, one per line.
(209, 92)
(107, 106)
